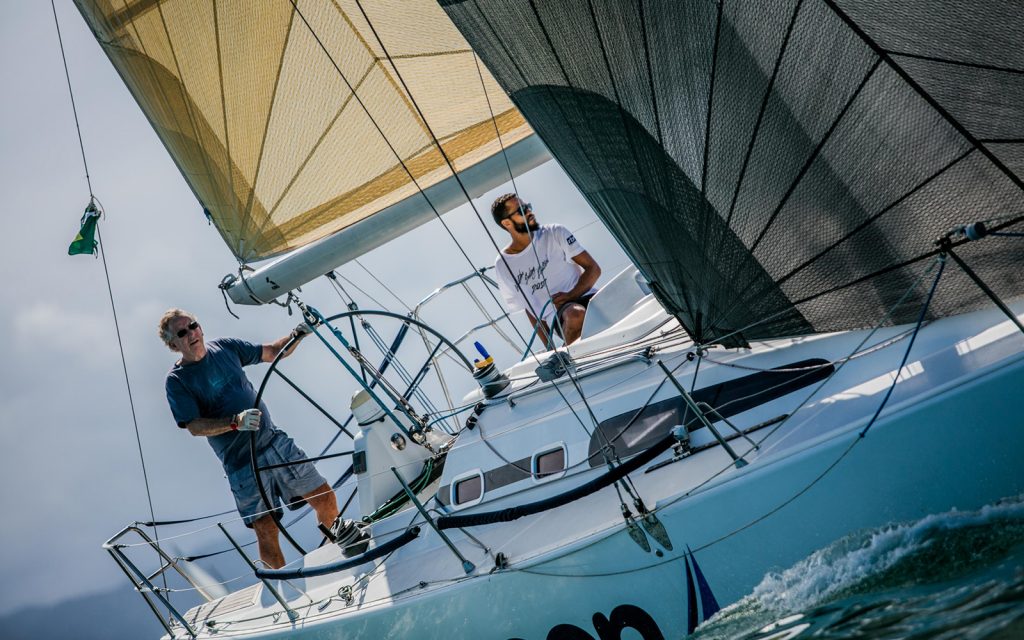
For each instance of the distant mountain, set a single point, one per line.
(119, 614)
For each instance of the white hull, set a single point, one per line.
(950, 437)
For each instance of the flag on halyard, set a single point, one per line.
(85, 241)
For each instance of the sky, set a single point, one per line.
(70, 471)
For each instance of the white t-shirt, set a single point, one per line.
(555, 247)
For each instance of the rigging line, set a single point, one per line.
(403, 373)
(346, 299)
(711, 95)
(948, 117)
(515, 189)
(791, 414)
(910, 346)
(874, 274)
(74, 109)
(748, 525)
(821, 385)
(861, 435)
(106, 273)
(469, 199)
(529, 344)
(878, 325)
(814, 155)
(360, 290)
(760, 114)
(386, 288)
(297, 502)
(394, 151)
(858, 354)
(451, 167)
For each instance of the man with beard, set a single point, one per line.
(542, 264)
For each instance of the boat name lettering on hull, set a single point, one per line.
(624, 616)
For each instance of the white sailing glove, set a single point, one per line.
(248, 420)
(302, 330)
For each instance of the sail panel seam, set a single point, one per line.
(958, 63)
(876, 216)
(711, 97)
(261, 228)
(760, 114)
(924, 94)
(814, 155)
(186, 100)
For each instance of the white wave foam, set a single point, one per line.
(851, 559)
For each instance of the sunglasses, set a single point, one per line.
(192, 326)
(524, 208)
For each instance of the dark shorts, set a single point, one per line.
(284, 485)
(582, 300)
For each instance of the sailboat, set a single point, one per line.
(821, 333)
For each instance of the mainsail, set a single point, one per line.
(780, 166)
(289, 123)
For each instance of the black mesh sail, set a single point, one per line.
(779, 167)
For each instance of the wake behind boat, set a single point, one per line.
(822, 333)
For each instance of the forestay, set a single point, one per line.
(780, 166)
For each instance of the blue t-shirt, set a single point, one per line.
(216, 387)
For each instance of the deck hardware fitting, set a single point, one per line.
(635, 532)
(682, 446)
(500, 562)
(652, 525)
(738, 461)
(467, 566)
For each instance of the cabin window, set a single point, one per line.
(549, 462)
(467, 490)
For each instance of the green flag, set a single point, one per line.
(85, 241)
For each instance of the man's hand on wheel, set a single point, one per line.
(302, 330)
(248, 420)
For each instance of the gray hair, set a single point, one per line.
(164, 327)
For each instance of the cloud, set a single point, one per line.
(44, 325)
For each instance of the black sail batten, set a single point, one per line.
(758, 161)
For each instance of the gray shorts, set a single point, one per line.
(284, 485)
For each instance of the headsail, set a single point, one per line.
(266, 128)
(779, 166)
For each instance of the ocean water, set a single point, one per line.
(952, 575)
